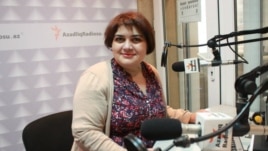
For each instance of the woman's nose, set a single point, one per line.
(127, 45)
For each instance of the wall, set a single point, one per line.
(42, 56)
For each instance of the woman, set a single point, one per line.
(113, 97)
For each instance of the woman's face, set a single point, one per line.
(129, 47)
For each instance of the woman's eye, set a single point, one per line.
(119, 39)
(136, 40)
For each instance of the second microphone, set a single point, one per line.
(192, 65)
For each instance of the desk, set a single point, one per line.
(165, 144)
(239, 144)
(244, 143)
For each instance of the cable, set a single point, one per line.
(245, 61)
(260, 89)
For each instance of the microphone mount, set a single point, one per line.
(215, 42)
(246, 85)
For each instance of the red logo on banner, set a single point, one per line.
(56, 31)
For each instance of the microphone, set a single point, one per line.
(166, 129)
(161, 129)
(194, 64)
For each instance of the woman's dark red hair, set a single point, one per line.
(130, 19)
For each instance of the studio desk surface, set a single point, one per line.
(244, 143)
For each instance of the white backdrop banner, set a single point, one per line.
(49, 35)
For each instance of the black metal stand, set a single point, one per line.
(260, 143)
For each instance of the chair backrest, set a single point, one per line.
(49, 133)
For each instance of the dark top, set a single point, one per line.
(131, 106)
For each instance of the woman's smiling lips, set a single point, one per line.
(128, 55)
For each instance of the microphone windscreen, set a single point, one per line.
(178, 66)
(161, 129)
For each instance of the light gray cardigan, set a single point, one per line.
(92, 110)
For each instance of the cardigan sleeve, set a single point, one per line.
(90, 107)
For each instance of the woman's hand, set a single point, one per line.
(193, 115)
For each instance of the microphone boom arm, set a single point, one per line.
(212, 43)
